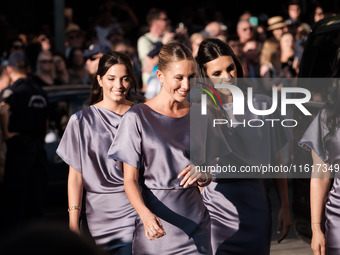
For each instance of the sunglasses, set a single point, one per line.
(247, 28)
(92, 58)
(46, 61)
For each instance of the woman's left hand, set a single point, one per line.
(284, 223)
(191, 175)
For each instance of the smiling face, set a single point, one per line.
(176, 79)
(115, 83)
(223, 68)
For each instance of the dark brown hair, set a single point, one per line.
(106, 61)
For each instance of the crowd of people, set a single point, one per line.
(130, 151)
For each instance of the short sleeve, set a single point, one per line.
(127, 144)
(313, 138)
(69, 146)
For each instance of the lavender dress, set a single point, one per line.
(313, 139)
(158, 145)
(239, 207)
(84, 145)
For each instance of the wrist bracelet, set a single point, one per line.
(75, 207)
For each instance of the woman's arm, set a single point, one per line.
(281, 187)
(152, 224)
(319, 187)
(75, 195)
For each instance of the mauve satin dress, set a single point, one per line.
(239, 207)
(313, 139)
(159, 145)
(84, 146)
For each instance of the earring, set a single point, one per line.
(161, 83)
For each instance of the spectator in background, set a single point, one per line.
(276, 26)
(251, 63)
(110, 17)
(235, 44)
(157, 20)
(92, 56)
(288, 61)
(76, 66)
(245, 31)
(61, 74)
(44, 75)
(153, 85)
(195, 40)
(24, 124)
(74, 37)
(318, 12)
(294, 12)
(44, 40)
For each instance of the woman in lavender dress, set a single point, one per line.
(84, 147)
(239, 207)
(154, 146)
(322, 138)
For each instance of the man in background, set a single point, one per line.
(23, 116)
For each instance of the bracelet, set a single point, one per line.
(205, 181)
(75, 207)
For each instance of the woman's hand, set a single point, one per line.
(284, 223)
(152, 226)
(191, 175)
(318, 241)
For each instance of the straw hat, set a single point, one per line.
(275, 23)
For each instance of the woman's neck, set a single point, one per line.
(166, 105)
(118, 107)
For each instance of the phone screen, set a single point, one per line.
(254, 21)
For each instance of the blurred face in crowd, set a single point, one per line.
(115, 83)
(161, 21)
(45, 62)
(236, 46)
(59, 63)
(277, 33)
(287, 42)
(75, 39)
(245, 31)
(92, 63)
(17, 46)
(294, 11)
(318, 14)
(77, 58)
(250, 51)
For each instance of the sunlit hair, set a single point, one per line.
(173, 52)
(105, 63)
(212, 48)
(269, 53)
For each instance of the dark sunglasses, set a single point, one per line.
(92, 58)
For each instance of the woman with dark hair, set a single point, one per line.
(322, 138)
(238, 205)
(84, 147)
(156, 148)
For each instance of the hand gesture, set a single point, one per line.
(152, 226)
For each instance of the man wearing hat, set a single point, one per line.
(92, 55)
(23, 116)
(277, 26)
